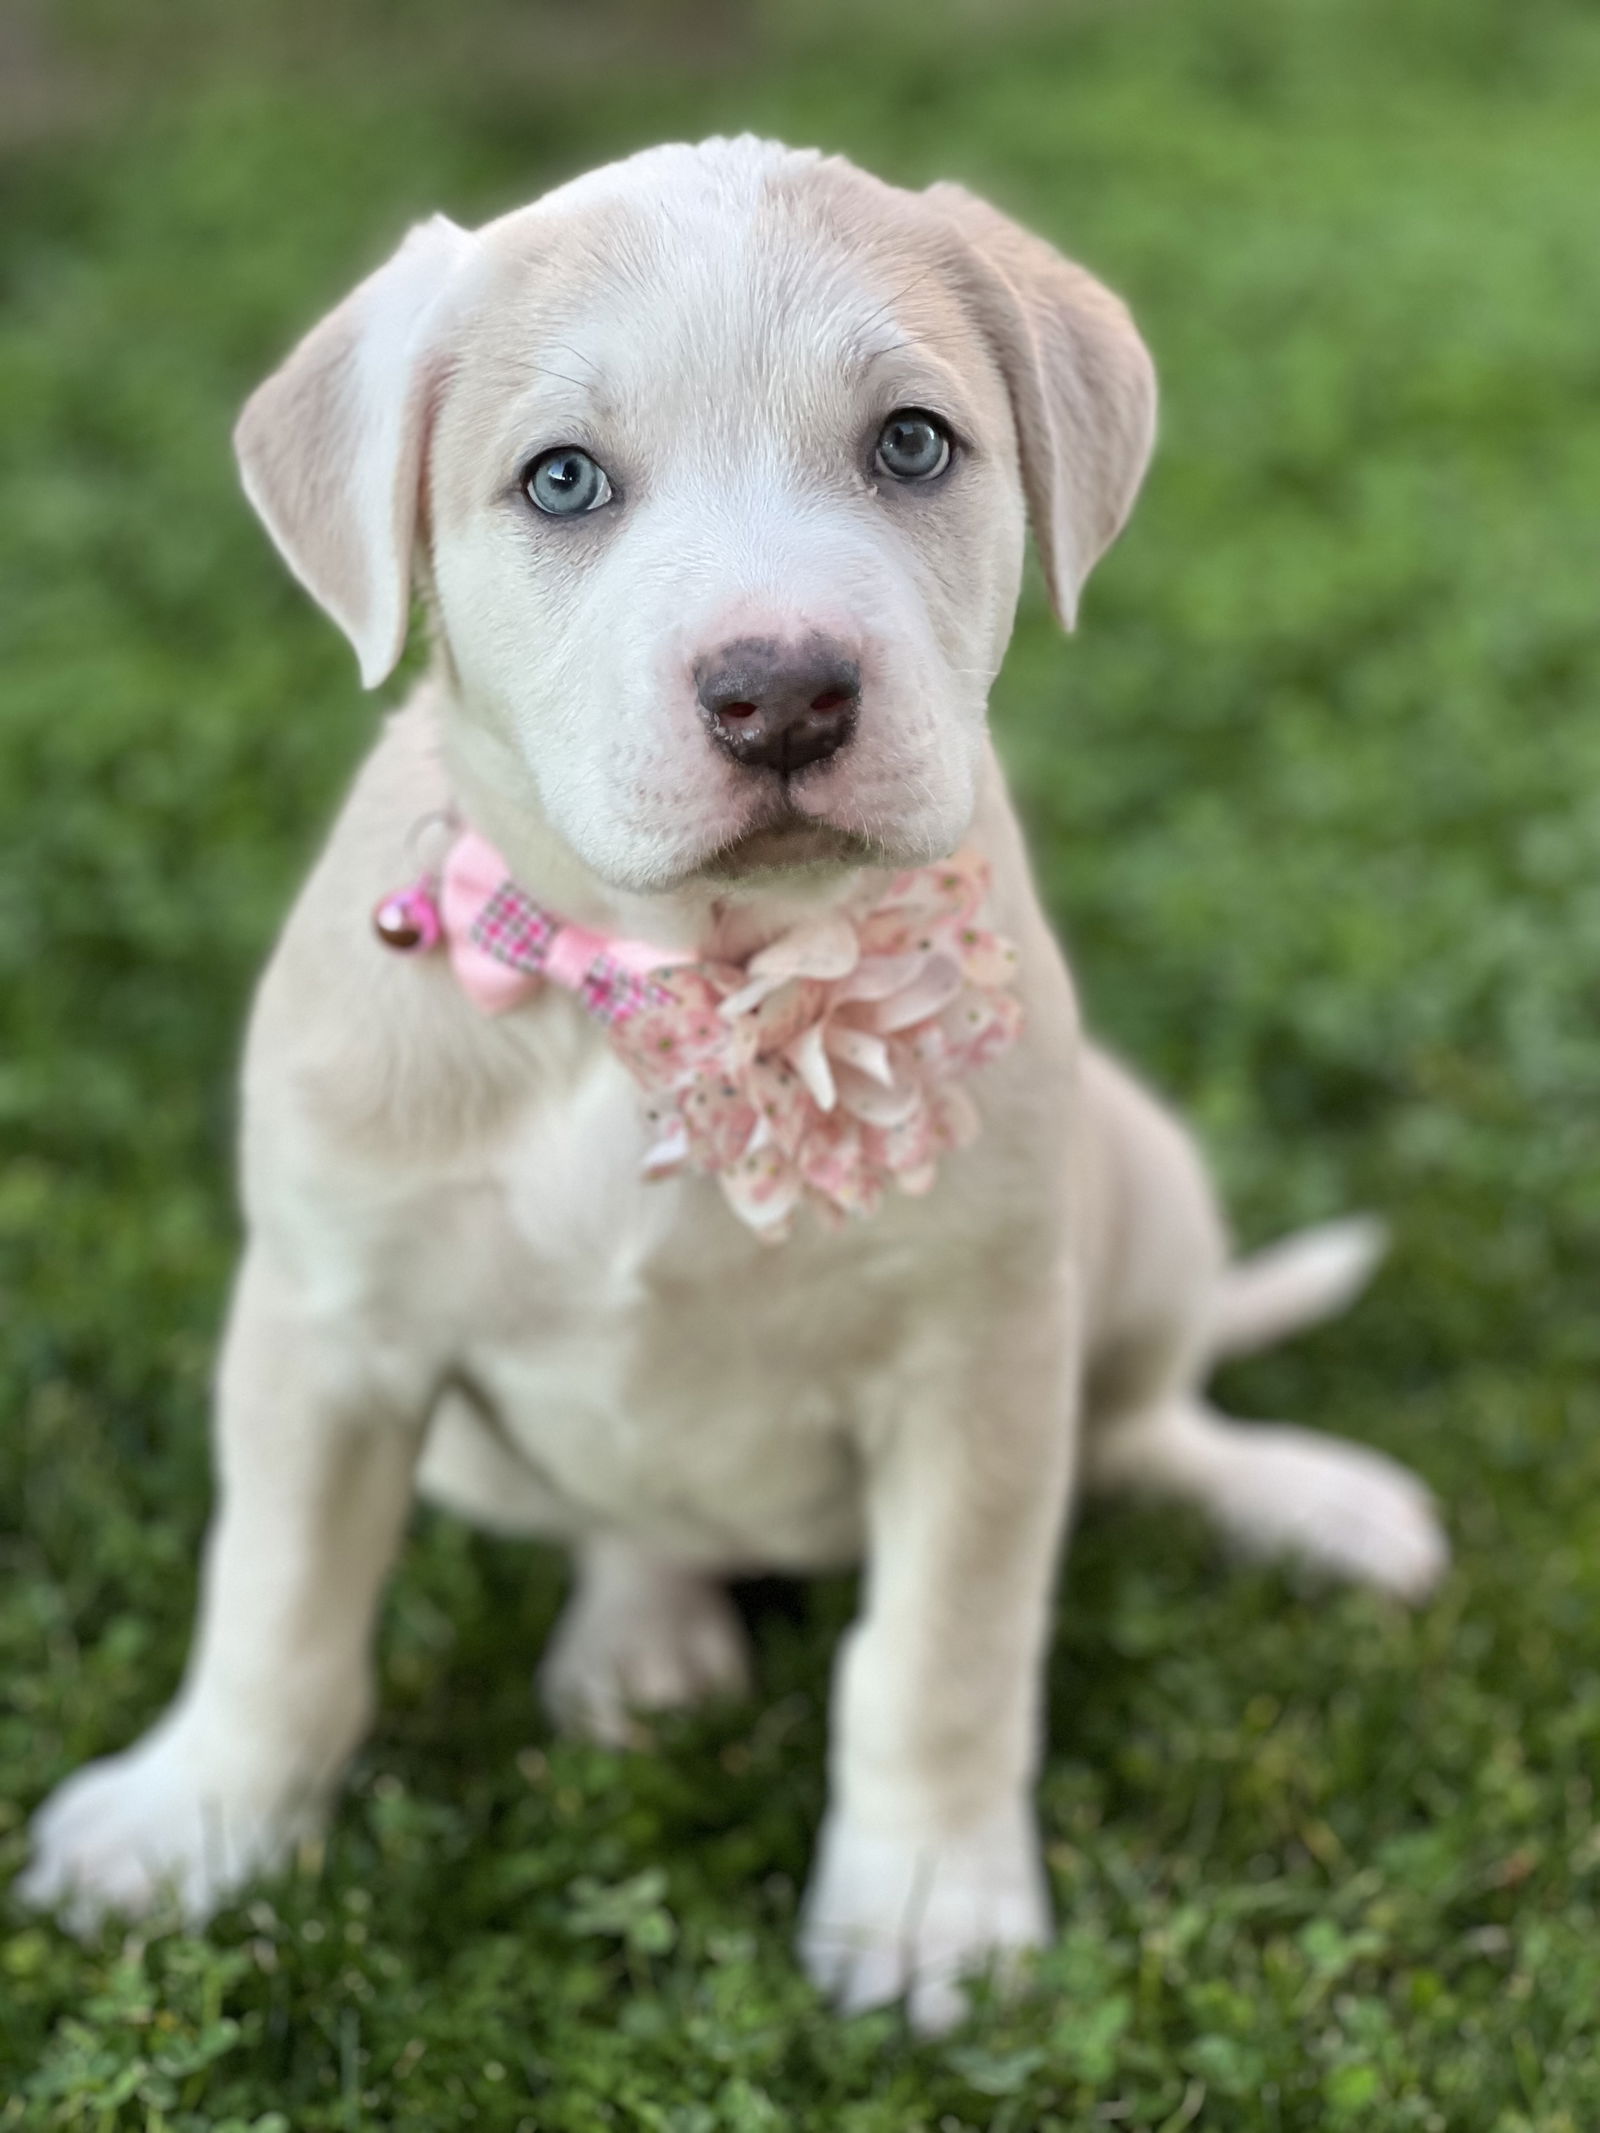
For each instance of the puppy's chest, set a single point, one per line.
(655, 1363)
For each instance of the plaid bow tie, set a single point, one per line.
(503, 945)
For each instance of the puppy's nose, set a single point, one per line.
(776, 706)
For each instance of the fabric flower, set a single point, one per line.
(826, 1069)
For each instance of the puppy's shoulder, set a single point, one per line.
(367, 1051)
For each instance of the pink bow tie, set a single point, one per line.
(822, 1070)
(502, 944)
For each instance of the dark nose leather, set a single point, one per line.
(779, 706)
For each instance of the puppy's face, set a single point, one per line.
(724, 457)
(728, 527)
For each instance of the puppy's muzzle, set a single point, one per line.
(779, 707)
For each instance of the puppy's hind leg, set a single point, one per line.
(471, 1468)
(638, 1635)
(1279, 1490)
(1174, 1307)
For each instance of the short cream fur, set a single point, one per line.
(455, 1279)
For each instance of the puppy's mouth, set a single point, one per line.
(788, 843)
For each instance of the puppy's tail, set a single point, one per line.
(1296, 1284)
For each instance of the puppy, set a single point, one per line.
(713, 469)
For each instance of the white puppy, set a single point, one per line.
(713, 468)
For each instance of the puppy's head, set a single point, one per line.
(716, 463)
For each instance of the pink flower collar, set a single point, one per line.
(822, 1069)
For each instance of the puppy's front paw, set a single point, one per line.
(161, 1824)
(890, 1917)
(620, 1650)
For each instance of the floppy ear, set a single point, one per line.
(330, 447)
(1082, 386)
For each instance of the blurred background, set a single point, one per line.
(1315, 797)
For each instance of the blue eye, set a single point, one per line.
(913, 445)
(566, 482)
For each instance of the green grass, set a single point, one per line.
(1316, 798)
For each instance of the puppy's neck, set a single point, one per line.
(494, 794)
